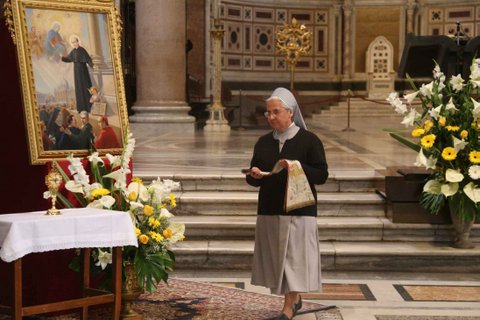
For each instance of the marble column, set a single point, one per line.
(347, 14)
(161, 65)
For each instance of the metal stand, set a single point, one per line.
(349, 93)
(240, 127)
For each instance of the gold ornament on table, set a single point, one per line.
(53, 180)
(293, 40)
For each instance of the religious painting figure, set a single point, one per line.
(55, 45)
(35, 41)
(80, 59)
(65, 142)
(106, 138)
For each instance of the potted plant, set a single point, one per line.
(446, 129)
(106, 187)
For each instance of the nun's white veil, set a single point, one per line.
(290, 103)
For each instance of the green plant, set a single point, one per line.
(106, 187)
(446, 130)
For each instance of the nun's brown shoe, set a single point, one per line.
(297, 306)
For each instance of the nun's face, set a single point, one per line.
(278, 117)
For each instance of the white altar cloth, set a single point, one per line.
(24, 233)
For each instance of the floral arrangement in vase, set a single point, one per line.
(446, 129)
(148, 205)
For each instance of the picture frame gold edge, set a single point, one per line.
(24, 65)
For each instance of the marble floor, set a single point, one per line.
(367, 150)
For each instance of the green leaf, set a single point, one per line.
(433, 203)
(405, 141)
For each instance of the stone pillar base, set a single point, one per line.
(155, 119)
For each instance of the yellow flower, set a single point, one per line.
(137, 180)
(148, 210)
(417, 132)
(442, 121)
(428, 125)
(474, 157)
(428, 141)
(98, 193)
(452, 128)
(132, 196)
(167, 233)
(156, 236)
(449, 153)
(173, 202)
(154, 223)
(143, 239)
(464, 134)
(137, 231)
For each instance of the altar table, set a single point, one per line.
(85, 228)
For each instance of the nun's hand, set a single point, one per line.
(256, 173)
(284, 163)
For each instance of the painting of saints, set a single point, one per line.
(80, 59)
(54, 45)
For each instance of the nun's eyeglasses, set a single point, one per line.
(274, 112)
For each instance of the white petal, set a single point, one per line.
(74, 186)
(453, 176)
(432, 186)
(449, 189)
(472, 192)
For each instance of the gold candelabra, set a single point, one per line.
(293, 40)
(53, 180)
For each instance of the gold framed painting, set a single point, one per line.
(68, 54)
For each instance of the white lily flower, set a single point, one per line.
(453, 175)
(409, 119)
(474, 172)
(457, 82)
(135, 205)
(449, 189)
(459, 144)
(95, 204)
(94, 158)
(107, 201)
(422, 160)
(140, 189)
(117, 175)
(178, 230)
(113, 160)
(450, 105)
(435, 112)
(164, 213)
(74, 186)
(476, 109)
(472, 192)
(427, 89)
(411, 96)
(432, 186)
(104, 259)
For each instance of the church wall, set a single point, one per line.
(373, 22)
(250, 60)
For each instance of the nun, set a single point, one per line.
(286, 256)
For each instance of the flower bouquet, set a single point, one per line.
(106, 188)
(447, 130)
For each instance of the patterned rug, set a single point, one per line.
(185, 300)
(439, 293)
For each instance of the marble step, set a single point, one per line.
(235, 203)
(342, 181)
(329, 229)
(339, 256)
